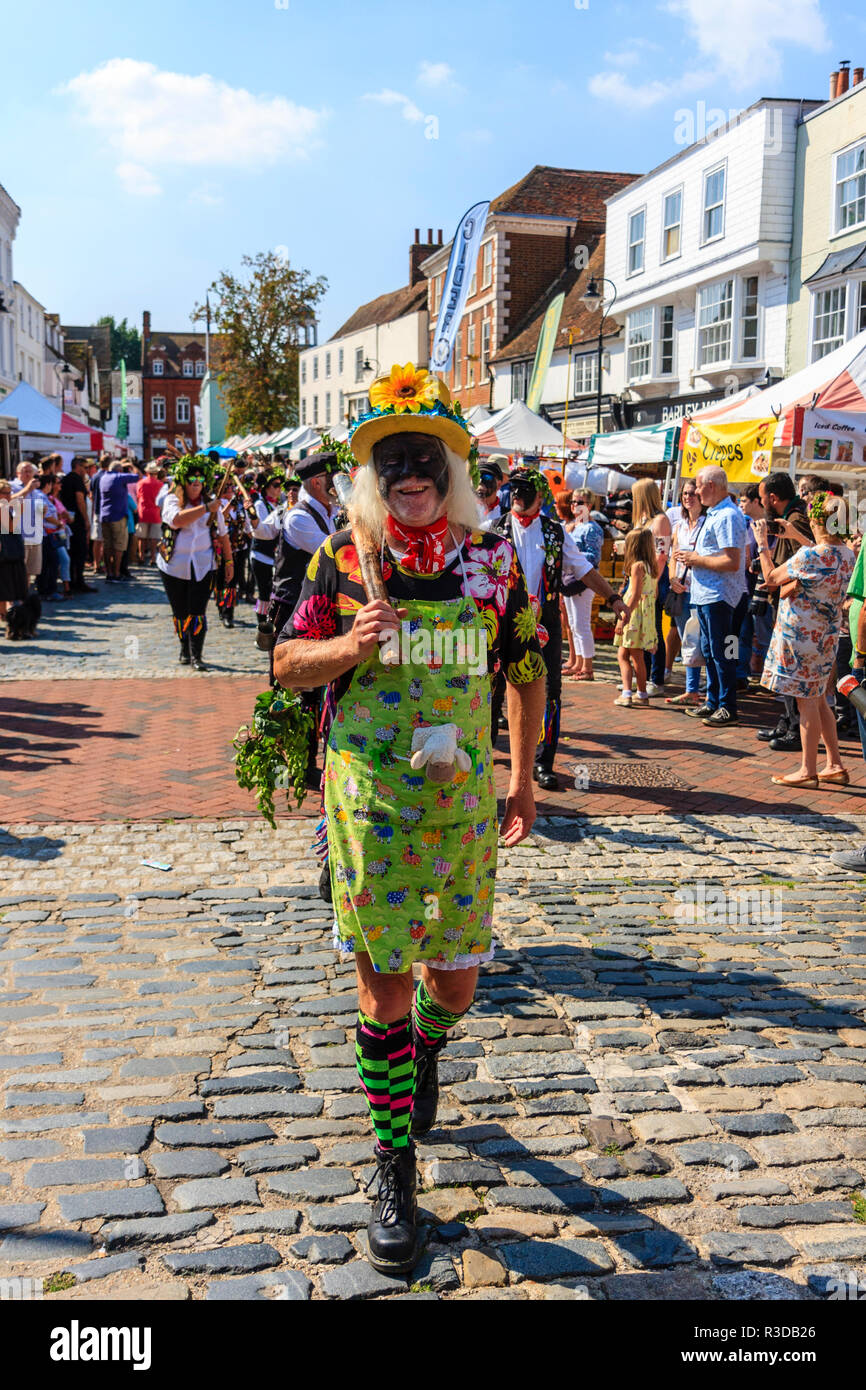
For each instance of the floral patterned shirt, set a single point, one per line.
(332, 594)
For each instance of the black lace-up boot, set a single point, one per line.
(426, 1100)
(392, 1233)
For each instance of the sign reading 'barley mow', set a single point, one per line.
(744, 448)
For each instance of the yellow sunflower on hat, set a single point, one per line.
(405, 388)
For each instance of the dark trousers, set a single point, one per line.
(719, 631)
(77, 553)
(188, 599)
(264, 583)
(552, 653)
(46, 582)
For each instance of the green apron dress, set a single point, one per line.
(413, 864)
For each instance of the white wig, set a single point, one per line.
(367, 506)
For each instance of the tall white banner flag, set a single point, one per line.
(464, 251)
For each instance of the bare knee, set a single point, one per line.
(453, 990)
(386, 998)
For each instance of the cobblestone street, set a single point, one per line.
(659, 1093)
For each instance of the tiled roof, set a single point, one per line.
(578, 193)
(385, 309)
(572, 283)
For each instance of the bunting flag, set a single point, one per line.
(464, 253)
(544, 352)
(123, 417)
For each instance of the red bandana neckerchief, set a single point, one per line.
(526, 520)
(424, 546)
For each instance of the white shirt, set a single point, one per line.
(267, 529)
(299, 528)
(193, 555)
(529, 544)
(32, 509)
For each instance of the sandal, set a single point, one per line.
(800, 782)
(839, 779)
(686, 698)
(582, 676)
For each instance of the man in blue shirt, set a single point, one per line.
(113, 493)
(718, 587)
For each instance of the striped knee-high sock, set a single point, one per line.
(385, 1053)
(431, 1022)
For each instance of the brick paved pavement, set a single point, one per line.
(652, 1098)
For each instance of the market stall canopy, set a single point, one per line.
(601, 481)
(43, 425)
(518, 430)
(302, 443)
(478, 418)
(834, 382)
(647, 444)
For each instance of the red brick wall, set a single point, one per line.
(169, 388)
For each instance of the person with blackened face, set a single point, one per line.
(490, 480)
(409, 798)
(553, 565)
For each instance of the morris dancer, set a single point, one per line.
(552, 565)
(239, 529)
(409, 795)
(193, 528)
(270, 494)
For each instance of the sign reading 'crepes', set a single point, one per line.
(744, 449)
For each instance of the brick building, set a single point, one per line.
(173, 368)
(532, 234)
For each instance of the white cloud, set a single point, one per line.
(639, 96)
(157, 119)
(435, 74)
(135, 179)
(207, 195)
(634, 54)
(743, 38)
(409, 112)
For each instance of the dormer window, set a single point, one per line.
(199, 368)
(158, 366)
(187, 366)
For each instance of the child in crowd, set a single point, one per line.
(637, 634)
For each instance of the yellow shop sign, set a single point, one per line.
(744, 449)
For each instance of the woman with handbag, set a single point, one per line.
(677, 603)
(193, 529)
(800, 661)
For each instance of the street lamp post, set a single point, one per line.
(593, 298)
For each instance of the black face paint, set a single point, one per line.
(408, 455)
(525, 491)
(488, 484)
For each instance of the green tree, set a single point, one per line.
(125, 342)
(261, 318)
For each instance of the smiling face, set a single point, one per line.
(193, 489)
(412, 473)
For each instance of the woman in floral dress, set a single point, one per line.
(803, 646)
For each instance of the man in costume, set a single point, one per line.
(552, 565)
(413, 859)
(490, 480)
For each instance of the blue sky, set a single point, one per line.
(152, 146)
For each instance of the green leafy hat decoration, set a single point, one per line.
(537, 478)
(194, 466)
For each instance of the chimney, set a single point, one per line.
(842, 85)
(857, 77)
(439, 234)
(834, 85)
(418, 252)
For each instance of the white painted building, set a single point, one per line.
(29, 338)
(698, 253)
(10, 215)
(335, 377)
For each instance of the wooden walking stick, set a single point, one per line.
(369, 561)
